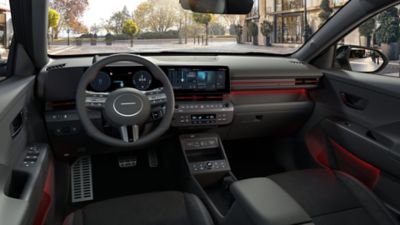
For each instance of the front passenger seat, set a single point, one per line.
(161, 208)
(314, 196)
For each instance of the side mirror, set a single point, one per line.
(360, 59)
(218, 6)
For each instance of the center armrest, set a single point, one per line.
(267, 203)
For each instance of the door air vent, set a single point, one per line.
(55, 67)
(81, 177)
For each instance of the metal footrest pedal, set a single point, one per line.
(81, 180)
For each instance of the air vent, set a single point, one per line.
(55, 67)
(82, 185)
(307, 81)
(297, 62)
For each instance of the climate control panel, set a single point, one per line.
(189, 114)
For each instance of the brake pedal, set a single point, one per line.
(81, 180)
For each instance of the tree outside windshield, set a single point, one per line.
(96, 26)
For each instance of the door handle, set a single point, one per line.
(16, 124)
(353, 101)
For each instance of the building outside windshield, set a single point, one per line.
(6, 30)
(79, 27)
(95, 27)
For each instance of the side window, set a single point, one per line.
(374, 46)
(6, 33)
(6, 29)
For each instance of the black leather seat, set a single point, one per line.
(333, 198)
(308, 197)
(162, 208)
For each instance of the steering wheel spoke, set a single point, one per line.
(157, 99)
(95, 100)
(156, 96)
(127, 136)
(157, 113)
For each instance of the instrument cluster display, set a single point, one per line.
(112, 78)
(185, 80)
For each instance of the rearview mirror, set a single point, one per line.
(360, 59)
(218, 6)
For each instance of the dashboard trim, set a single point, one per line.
(277, 91)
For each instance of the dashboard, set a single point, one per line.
(185, 80)
(234, 96)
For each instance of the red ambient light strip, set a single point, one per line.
(351, 164)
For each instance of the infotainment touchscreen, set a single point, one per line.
(199, 80)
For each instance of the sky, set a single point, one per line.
(100, 9)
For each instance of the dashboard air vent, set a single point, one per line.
(307, 81)
(297, 62)
(55, 67)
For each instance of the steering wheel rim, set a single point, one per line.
(91, 73)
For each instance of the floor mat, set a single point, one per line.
(251, 158)
(110, 180)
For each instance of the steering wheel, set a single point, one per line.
(126, 108)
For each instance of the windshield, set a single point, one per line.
(101, 27)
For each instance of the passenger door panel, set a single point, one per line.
(358, 115)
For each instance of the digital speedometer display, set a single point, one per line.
(102, 82)
(142, 80)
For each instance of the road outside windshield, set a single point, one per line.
(97, 26)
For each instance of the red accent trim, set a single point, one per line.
(69, 219)
(46, 201)
(55, 104)
(305, 81)
(317, 147)
(351, 164)
(280, 91)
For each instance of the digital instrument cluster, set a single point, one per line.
(186, 80)
(112, 78)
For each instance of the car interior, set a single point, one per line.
(198, 138)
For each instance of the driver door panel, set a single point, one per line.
(25, 163)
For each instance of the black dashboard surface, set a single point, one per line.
(264, 96)
(59, 79)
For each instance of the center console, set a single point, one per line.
(205, 157)
(254, 201)
(199, 92)
(260, 201)
(202, 114)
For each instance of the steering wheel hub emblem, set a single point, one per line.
(128, 105)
